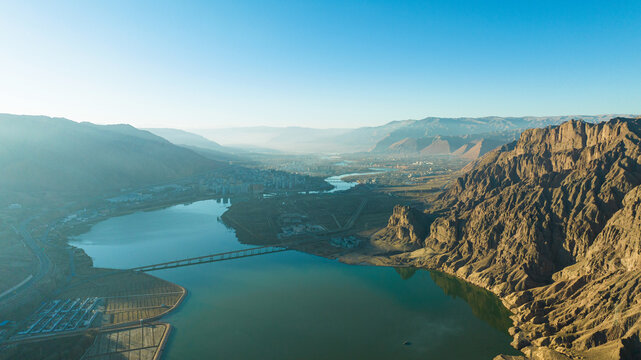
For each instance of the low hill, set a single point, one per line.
(197, 143)
(181, 137)
(42, 154)
(551, 224)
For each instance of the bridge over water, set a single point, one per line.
(254, 251)
(229, 255)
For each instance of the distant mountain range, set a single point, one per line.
(40, 154)
(465, 146)
(412, 136)
(285, 139)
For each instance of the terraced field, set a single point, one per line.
(128, 296)
(138, 343)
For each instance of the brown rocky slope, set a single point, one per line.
(552, 224)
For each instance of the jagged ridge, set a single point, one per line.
(551, 223)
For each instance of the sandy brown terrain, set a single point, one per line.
(551, 224)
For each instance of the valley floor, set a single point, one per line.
(129, 297)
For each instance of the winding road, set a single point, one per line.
(44, 264)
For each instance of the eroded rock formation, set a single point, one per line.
(406, 229)
(552, 224)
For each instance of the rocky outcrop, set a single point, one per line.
(552, 224)
(406, 229)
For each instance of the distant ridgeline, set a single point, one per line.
(201, 145)
(466, 137)
(39, 155)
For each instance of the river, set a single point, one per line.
(341, 185)
(293, 305)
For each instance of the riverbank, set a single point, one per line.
(292, 295)
(519, 315)
(422, 259)
(74, 275)
(321, 248)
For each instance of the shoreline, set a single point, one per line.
(163, 342)
(365, 259)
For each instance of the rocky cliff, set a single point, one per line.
(406, 229)
(552, 224)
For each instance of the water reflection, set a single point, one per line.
(484, 304)
(405, 272)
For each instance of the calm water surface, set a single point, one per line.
(296, 306)
(340, 185)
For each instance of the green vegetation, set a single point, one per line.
(66, 348)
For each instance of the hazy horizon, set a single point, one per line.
(320, 65)
(196, 130)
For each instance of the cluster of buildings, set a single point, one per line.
(223, 183)
(300, 229)
(241, 180)
(297, 224)
(349, 242)
(234, 180)
(225, 188)
(130, 198)
(80, 216)
(64, 315)
(150, 193)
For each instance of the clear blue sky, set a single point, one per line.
(317, 63)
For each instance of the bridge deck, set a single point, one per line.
(236, 254)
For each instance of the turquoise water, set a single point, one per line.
(292, 305)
